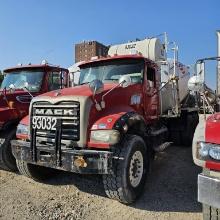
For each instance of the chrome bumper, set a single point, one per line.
(209, 190)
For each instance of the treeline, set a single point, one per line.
(1, 77)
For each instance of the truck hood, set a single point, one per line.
(212, 129)
(82, 90)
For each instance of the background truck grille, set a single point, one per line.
(70, 125)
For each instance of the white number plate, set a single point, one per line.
(44, 123)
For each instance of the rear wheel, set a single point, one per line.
(130, 170)
(35, 172)
(210, 213)
(7, 160)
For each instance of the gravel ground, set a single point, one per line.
(170, 193)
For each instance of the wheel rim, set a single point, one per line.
(136, 168)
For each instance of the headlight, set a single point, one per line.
(105, 136)
(22, 130)
(214, 153)
(208, 150)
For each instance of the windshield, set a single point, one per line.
(111, 71)
(32, 79)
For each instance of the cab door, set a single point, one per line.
(151, 102)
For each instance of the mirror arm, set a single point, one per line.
(112, 89)
(26, 89)
(103, 102)
(3, 93)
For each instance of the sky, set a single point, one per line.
(33, 30)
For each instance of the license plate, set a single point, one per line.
(44, 123)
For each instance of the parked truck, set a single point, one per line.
(20, 85)
(206, 144)
(127, 106)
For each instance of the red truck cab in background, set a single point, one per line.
(19, 86)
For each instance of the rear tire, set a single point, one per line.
(7, 160)
(210, 213)
(130, 170)
(35, 172)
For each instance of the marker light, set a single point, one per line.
(44, 62)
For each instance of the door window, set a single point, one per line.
(151, 77)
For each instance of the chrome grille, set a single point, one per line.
(69, 124)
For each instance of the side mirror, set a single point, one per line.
(74, 77)
(11, 87)
(125, 81)
(25, 86)
(96, 86)
(147, 85)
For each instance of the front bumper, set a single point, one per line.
(97, 162)
(209, 190)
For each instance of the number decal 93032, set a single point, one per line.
(44, 123)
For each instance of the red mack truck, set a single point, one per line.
(20, 85)
(206, 145)
(127, 106)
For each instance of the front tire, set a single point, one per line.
(210, 212)
(35, 172)
(7, 160)
(130, 170)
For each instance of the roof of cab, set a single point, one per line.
(33, 66)
(116, 57)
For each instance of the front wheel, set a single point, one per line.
(7, 160)
(130, 170)
(210, 212)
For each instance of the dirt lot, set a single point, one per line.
(170, 193)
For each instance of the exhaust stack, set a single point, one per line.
(218, 63)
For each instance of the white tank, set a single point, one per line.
(168, 94)
(149, 48)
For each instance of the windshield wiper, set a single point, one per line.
(84, 83)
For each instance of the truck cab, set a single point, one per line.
(19, 86)
(206, 141)
(206, 146)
